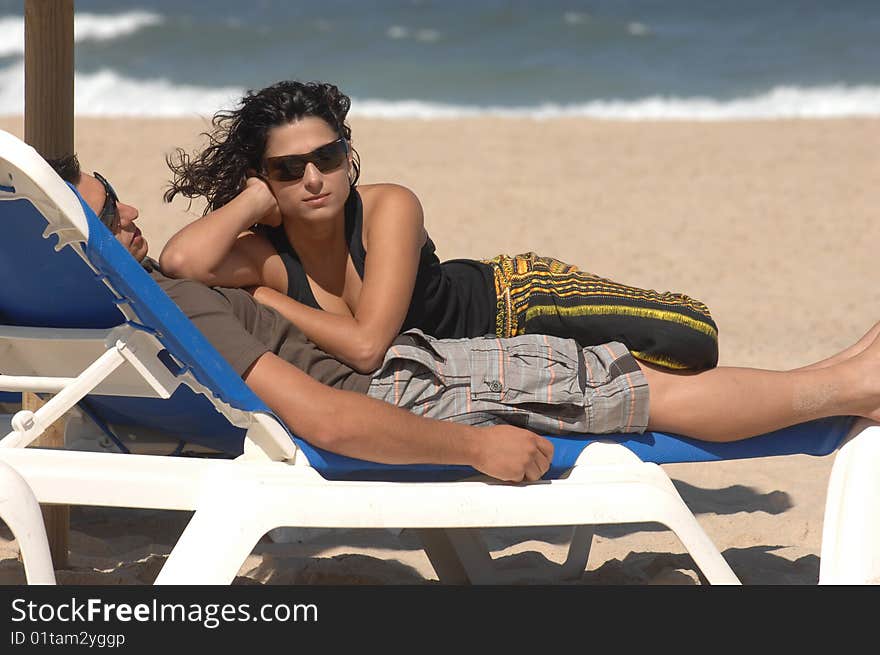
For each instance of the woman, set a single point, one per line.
(352, 266)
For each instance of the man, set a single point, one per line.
(544, 383)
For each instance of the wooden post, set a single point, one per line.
(48, 127)
(48, 76)
(55, 517)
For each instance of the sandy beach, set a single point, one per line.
(773, 224)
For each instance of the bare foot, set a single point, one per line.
(868, 362)
(858, 347)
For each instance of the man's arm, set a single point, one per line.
(355, 425)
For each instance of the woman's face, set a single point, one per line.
(317, 195)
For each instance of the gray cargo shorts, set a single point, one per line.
(546, 384)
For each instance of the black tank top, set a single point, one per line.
(451, 300)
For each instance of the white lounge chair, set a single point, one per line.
(85, 322)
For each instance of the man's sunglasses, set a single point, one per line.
(287, 168)
(109, 212)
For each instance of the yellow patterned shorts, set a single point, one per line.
(542, 295)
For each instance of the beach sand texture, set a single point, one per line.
(775, 225)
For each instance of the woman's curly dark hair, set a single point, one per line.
(238, 141)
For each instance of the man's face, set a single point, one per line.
(125, 231)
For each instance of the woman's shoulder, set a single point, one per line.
(389, 198)
(392, 206)
(384, 193)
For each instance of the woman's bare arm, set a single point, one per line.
(216, 249)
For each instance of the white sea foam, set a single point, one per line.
(397, 32)
(101, 27)
(575, 17)
(86, 27)
(11, 36)
(426, 35)
(781, 102)
(107, 93)
(637, 29)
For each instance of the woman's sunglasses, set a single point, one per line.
(109, 212)
(287, 168)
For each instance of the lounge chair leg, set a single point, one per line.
(21, 512)
(578, 552)
(203, 556)
(459, 556)
(474, 555)
(709, 561)
(657, 492)
(443, 557)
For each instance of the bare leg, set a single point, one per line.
(727, 404)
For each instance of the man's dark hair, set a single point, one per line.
(67, 167)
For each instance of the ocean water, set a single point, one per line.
(627, 59)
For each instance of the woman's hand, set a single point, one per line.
(262, 194)
(219, 249)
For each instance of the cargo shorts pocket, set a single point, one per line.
(426, 360)
(526, 369)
